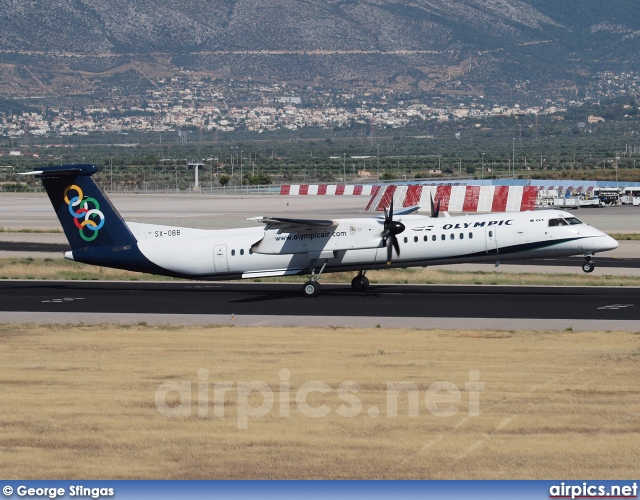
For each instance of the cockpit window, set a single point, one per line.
(557, 222)
(573, 220)
(568, 221)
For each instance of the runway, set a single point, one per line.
(281, 304)
(408, 305)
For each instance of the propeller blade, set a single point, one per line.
(391, 229)
(434, 211)
(396, 245)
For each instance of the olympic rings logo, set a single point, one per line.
(84, 217)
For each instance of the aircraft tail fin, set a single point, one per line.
(87, 216)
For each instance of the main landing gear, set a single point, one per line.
(312, 287)
(360, 282)
(589, 265)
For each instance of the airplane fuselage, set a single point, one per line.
(99, 235)
(354, 245)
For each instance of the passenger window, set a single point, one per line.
(405, 239)
(233, 252)
(433, 237)
(415, 239)
(426, 238)
(470, 235)
(490, 234)
(452, 236)
(250, 252)
(242, 252)
(443, 237)
(461, 236)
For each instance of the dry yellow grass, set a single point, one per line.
(78, 401)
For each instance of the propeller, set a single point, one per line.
(435, 211)
(391, 230)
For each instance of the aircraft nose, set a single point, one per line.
(609, 243)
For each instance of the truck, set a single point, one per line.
(590, 203)
(566, 202)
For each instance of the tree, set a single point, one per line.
(224, 180)
(258, 179)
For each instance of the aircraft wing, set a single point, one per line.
(294, 224)
(404, 211)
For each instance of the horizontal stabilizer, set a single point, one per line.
(80, 169)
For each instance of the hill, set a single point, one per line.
(484, 47)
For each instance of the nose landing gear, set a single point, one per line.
(312, 287)
(588, 266)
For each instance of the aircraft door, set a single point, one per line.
(220, 259)
(491, 239)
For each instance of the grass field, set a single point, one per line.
(79, 401)
(60, 269)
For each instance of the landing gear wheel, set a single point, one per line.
(360, 283)
(588, 266)
(311, 289)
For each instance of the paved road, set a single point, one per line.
(28, 246)
(270, 299)
(33, 210)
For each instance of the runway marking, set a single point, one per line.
(615, 307)
(60, 301)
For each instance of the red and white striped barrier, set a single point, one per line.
(328, 189)
(457, 198)
(467, 199)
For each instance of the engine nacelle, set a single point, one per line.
(347, 236)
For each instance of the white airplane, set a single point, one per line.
(98, 235)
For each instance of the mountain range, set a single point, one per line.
(451, 46)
